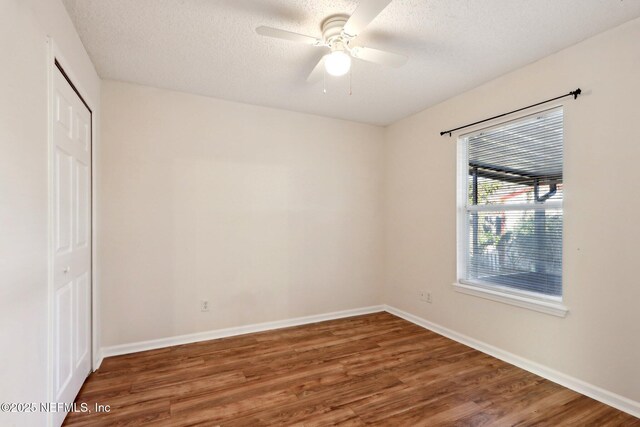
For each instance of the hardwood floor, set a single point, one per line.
(375, 369)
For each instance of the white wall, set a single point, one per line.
(24, 26)
(268, 214)
(599, 341)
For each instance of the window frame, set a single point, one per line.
(526, 299)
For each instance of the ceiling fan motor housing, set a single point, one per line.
(332, 29)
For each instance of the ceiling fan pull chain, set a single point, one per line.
(350, 74)
(324, 81)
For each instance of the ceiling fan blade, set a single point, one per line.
(288, 35)
(366, 12)
(379, 56)
(317, 72)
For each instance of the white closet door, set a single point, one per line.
(72, 242)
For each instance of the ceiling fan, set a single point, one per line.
(338, 34)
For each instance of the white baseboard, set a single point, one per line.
(118, 350)
(607, 397)
(97, 361)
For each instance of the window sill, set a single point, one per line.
(547, 307)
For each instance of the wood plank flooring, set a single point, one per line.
(375, 369)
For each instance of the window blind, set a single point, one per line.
(514, 205)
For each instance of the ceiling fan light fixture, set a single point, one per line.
(337, 63)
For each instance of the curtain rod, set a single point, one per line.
(573, 93)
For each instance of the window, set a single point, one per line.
(510, 212)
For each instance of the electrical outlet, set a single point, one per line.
(425, 296)
(204, 305)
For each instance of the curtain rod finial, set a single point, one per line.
(576, 92)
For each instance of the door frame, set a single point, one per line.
(54, 58)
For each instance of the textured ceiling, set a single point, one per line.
(209, 47)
